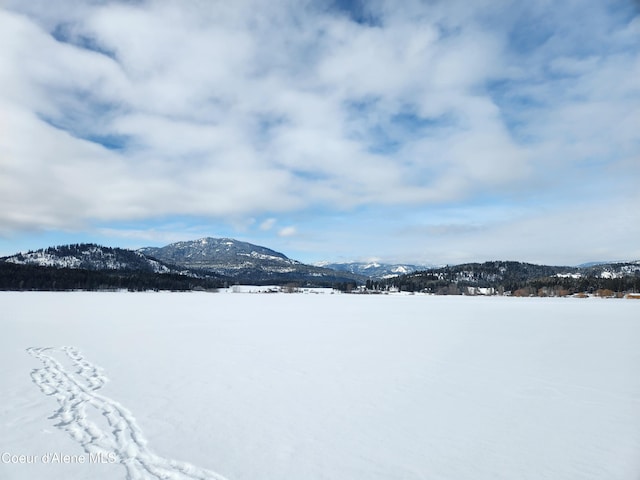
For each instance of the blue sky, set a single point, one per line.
(419, 131)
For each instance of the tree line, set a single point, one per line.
(19, 277)
(31, 277)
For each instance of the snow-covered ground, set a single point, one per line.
(291, 387)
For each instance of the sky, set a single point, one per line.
(425, 132)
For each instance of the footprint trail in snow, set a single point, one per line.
(75, 390)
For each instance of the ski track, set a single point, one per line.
(75, 390)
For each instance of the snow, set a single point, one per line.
(262, 256)
(568, 275)
(287, 386)
(277, 289)
(92, 255)
(371, 265)
(44, 259)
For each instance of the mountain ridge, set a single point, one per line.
(243, 261)
(89, 256)
(213, 262)
(374, 269)
(513, 276)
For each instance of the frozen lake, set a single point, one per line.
(311, 387)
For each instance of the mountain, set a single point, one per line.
(205, 263)
(94, 267)
(89, 256)
(221, 254)
(210, 263)
(373, 270)
(244, 262)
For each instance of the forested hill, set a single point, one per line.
(210, 263)
(244, 262)
(89, 256)
(87, 266)
(523, 278)
(206, 263)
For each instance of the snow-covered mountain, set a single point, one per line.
(243, 261)
(373, 270)
(221, 254)
(213, 262)
(199, 263)
(88, 256)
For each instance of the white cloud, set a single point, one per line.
(287, 231)
(268, 224)
(246, 109)
(186, 100)
(592, 230)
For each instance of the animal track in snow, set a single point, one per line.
(75, 390)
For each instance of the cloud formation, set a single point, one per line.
(132, 111)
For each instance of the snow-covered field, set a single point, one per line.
(311, 387)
